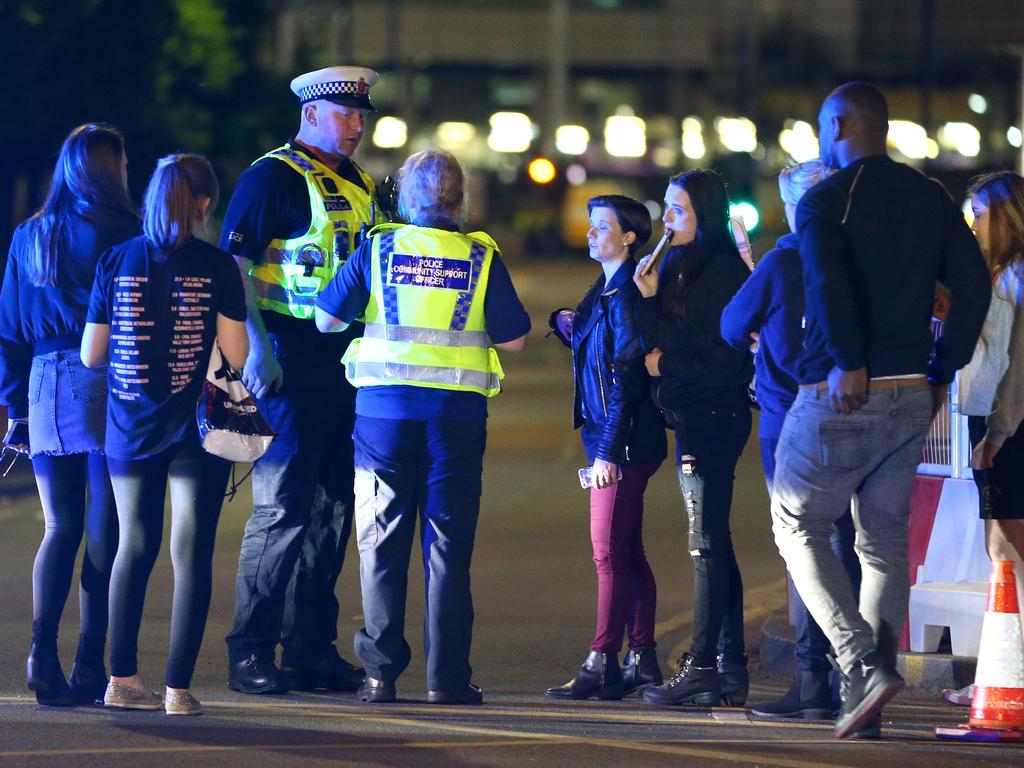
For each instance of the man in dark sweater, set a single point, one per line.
(874, 239)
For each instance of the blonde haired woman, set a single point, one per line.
(437, 304)
(992, 384)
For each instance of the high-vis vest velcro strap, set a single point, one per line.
(425, 319)
(293, 272)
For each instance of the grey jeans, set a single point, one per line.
(825, 458)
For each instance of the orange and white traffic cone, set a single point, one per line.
(997, 708)
(999, 681)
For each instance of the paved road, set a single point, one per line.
(534, 589)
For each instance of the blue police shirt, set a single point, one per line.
(346, 297)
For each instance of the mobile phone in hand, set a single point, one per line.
(585, 476)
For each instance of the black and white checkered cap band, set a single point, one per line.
(336, 88)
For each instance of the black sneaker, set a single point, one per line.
(691, 685)
(256, 674)
(331, 673)
(868, 688)
(810, 698)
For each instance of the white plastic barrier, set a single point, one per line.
(952, 583)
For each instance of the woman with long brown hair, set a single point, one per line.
(700, 384)
(157, 305)
(49, 275)
(992, 384)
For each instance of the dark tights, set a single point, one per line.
(68, 511)
(197, 481)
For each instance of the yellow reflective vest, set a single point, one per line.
(425, 322)
(294, 271)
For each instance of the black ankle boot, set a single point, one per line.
(734, 680)
(88, 675)
(640, 670)
(46, 677)
(692, 685)
(810, 697)
(599, 676)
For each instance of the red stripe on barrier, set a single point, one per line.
(924, 503)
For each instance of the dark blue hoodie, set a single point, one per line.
(771, 302)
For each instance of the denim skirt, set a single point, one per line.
(67, 405)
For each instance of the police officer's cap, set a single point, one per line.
(348, 86)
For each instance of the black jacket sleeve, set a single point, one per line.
(15, 350)
(628, 382)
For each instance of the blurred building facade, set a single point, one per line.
(677, 72)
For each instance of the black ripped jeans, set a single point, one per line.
(714, 434)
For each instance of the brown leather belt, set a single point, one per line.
(873, 384)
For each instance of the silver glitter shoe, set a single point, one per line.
(126, 697)
(181, 703)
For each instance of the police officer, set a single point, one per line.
(290, 225)
(437, 302)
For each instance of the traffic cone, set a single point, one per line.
(999, 681)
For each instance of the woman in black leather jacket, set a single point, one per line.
(700, 384)
(624, 438)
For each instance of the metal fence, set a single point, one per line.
(947, 449)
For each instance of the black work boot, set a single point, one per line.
(868, 688)
(691, 685)
(256, 674)
(599, 676)
(734, 680)
(810, 697)
(640, 671)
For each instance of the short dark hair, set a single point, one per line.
(631, 214)
(865, 103)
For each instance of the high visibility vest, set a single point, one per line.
(294, 271)
(425, 322)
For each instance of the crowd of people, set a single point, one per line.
(372, 349)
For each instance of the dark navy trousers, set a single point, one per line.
(431, 471)
(293, 547)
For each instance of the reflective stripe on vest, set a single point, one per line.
(292, 272)
(425, 320)
(425, 375)
(426, 336)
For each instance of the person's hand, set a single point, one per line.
(262, 373)
(848, 389)
(983, 455)
(648, 284)
(756, 341)
(938, 398)
(604, 473)
(653, 360)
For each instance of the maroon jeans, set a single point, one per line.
(626, 591)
